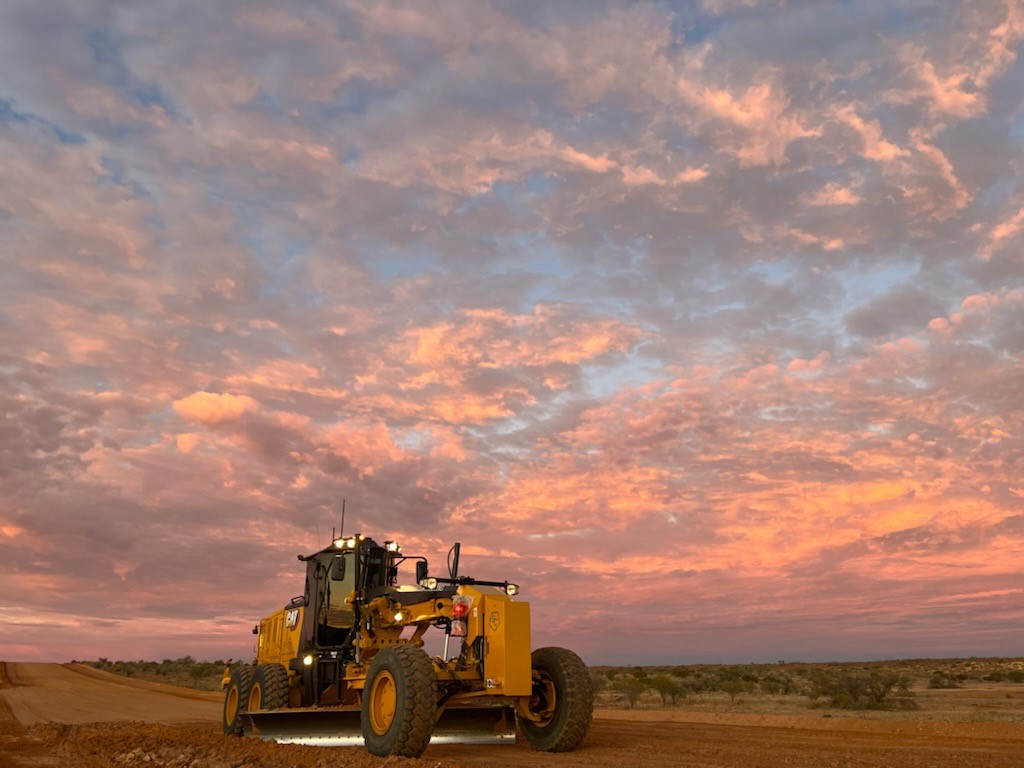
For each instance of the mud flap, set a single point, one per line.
(330, 727)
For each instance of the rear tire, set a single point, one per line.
(562, 703)
(236, 697)
(399, 702)
(269, 688)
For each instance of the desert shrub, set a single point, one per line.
(184, 671)
(631, 687)
(700, 682)
(598, 681)
(670, 688)
(996, 676)
(873, 689)
(943, 680)
(638, 672)
(734, 686)
(1015, 675)
(777, 683)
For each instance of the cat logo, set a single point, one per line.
(495, 621)
(291, 618)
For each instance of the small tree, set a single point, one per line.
(669, 687)
(631, 687)
(872, 690)
(734, 687)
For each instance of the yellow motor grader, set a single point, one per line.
(344, 662)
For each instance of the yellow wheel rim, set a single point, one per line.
(231, 710)
(255, 698)
(544, 699)
(383, 701)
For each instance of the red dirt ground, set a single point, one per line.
(71, 715)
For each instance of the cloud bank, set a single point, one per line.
(701, 320)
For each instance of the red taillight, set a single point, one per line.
(460, 606)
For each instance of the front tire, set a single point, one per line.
(399, 702)
(561, 707)
(236, 696)
(269, 689)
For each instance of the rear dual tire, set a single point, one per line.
(269, 688)
(236, 697)
(250, 690)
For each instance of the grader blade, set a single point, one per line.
(475, 725)
(328, 727)
(316, 727)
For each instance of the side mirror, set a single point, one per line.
(421, 571)
(338, 569)
(453, 561)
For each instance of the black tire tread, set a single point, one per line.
(575, 702)
(242, 678)
(417, 709)
(274, 680)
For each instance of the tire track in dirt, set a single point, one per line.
(17, 748)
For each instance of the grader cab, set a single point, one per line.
(344, 662)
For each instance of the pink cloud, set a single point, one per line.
(874, 145)
(834, 194)
(212, 408)
(632, 297)
(1005, 231)
(187, 441)
(765, 121)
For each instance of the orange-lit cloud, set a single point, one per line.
(212, 408)
(710, 315)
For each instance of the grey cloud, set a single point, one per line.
(903, 309)
(272, 202)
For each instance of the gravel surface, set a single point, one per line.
(132, 723)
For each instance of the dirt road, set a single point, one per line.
(78, 717)
(75, 693)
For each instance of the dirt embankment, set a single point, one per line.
(42, 709)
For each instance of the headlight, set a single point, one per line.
(511, 589)
(308, 659)
(430, 583)
(393, 546)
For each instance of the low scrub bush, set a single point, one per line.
(943, 680)
(873, 689)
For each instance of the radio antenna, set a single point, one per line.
(341, 534)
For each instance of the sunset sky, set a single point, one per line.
(703, 321)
